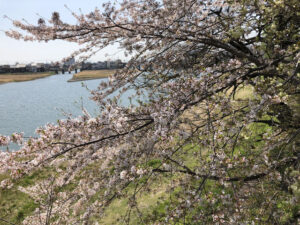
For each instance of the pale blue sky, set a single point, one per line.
(12, 51)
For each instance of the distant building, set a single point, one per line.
(69, 62)
(108, 64)
(43, 67)
(5, 69)
(18, 68)
(99, 66)
(38, 67)
(31, 68)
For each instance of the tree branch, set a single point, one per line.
(232, 179)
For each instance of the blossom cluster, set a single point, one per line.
(213, 120)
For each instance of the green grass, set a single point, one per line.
(244, 93)
(15, 205)
(147, 203)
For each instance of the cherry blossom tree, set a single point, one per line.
(215, 124)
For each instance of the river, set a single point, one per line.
(24, 106)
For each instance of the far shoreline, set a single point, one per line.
(81, 76)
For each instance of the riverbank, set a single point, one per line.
(19, 77)
(91, 75)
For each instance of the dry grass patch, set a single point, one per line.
(20, 77)
(91, 74)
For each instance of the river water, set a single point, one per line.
(24, 106)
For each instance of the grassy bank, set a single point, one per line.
(19, 77)
(15, 205)
(91, 74)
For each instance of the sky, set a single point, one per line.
(12, 51)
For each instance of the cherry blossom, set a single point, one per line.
(215, 124)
